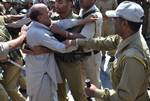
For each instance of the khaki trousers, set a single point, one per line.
(11, 75)
(91, 69)
(71, 71)
(3, 94)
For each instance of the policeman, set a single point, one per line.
(131, 68)
(4, 49)
(65, 11)
(104, 5)
(86, 63)
(8, 7)
(11, 72)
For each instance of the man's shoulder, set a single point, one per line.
(133, 53)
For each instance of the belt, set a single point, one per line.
(87, 53)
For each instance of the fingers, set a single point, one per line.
(24, 28)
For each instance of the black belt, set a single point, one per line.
(86, 54)
(73, 56)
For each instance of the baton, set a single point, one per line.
(16, 64)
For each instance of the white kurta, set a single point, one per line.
(42, 67)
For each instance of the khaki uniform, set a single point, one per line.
(108, 26)
(3, 53)
(11, 10)
(11, 72)
(130, 70)
(4, 48)
(70, 71)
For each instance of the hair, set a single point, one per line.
(33, 14)
(134, 26)
(35, 11)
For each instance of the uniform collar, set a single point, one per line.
(71, 15)
(11, 8)
(125, 43)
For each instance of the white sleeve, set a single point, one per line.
(67, 23)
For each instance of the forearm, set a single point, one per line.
(11, 18)
(16, 42)
(100, 43)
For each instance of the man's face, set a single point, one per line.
(44, 18)
(7, 5)
(62, 6)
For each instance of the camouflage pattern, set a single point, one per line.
(11, 72)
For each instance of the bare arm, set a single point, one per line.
(11, 18)
(19, 40)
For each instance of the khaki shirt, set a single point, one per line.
(129, 72)
(108, 25)
(5, 36)
(11, 10)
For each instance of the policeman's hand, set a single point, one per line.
(91, 91)
(23, 31)
(24, 28)
(37, 50)
(89, 19)
(26, 49)
(70, 43)
(55, 28)
(3, 58)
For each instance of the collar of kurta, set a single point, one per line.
(124, 43)
(92, 8)
(35, 23)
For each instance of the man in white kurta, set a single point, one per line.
(42, 71)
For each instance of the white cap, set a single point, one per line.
(128, 10)
(7, 1)
(52, 0)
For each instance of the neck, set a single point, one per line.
(126, 35)
(65, 15)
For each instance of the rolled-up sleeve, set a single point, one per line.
(100, 43)
(4, 49)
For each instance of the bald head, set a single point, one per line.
(36, 10)
(40, 13)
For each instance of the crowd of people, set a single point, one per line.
(48, 47)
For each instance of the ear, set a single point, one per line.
(38, 18)
(125, 23)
